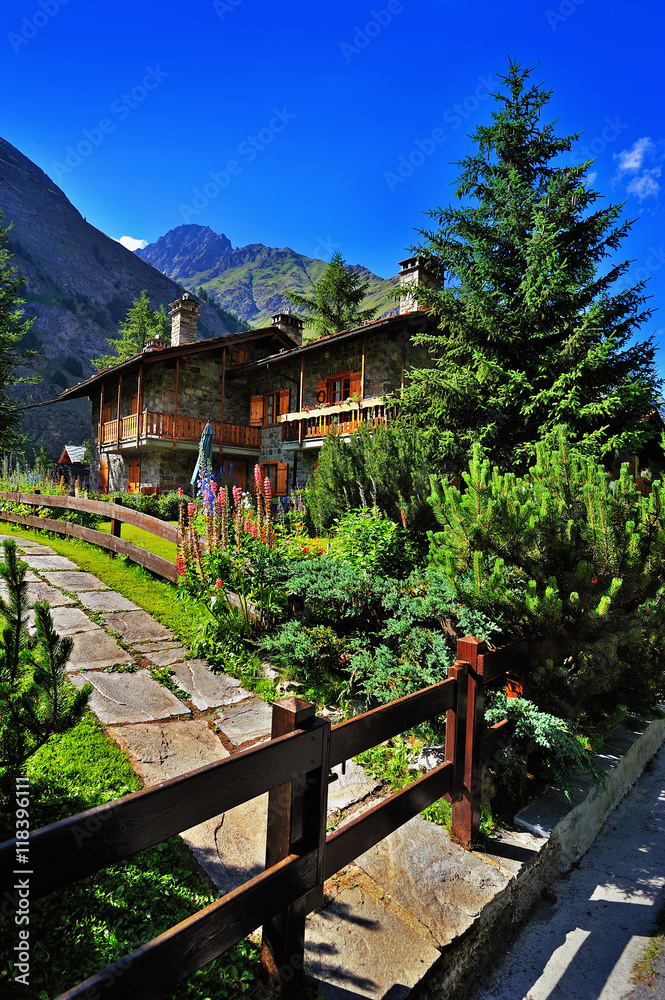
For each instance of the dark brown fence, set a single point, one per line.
(294, 767)
(118, 515)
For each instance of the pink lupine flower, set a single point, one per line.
(257, 476)
(237, 496)
(253, 530)
(248, 523)
(190, 509)
(267, 489)
(218, 584)
(180, 566)
(180, 491)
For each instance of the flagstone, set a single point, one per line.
(135, 626)
(165, 657)
(207, 690)
(106, 600)
(42, 592)
(250, 720)
(67, 621)
(76, 582)
(125, 697)
(48, 562)
(96, 650)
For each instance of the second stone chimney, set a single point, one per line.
(290, 325)
(413, 274)
(184, 318)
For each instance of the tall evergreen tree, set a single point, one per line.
(337, 296)
(13, 328)
(139, 325)
(532, 333)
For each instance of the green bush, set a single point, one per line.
(366, 539)
(566, 556)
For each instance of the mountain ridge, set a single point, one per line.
(250, 281)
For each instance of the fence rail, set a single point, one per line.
(294, 768)
(118, 515)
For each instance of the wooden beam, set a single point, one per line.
(362, 368)
(118, 411)
(101, 425)
(302, 399)
(221, 414)
(139, 404)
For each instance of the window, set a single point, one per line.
(266, 409)
(335, 389)
(276, 473)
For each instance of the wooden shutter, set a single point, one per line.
(134, 405)
(106, 413)
(322, 386)
(356, 386)
(103, 477)
(256, 411)
(282, 476)
(284, 397)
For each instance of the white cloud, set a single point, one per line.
(646, 185)
(631, 160)
(591, 178)
(131, 243)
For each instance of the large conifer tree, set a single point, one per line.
(533, 333)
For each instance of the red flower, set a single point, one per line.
(190, 509)
(595, 579)
(218, 584)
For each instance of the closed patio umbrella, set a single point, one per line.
(205, 452)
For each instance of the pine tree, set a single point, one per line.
(139, 325)
(532, 334)
(337, 295)
(13, 328)
(36, 700)
(564, 555)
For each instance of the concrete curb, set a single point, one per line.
(567, 831)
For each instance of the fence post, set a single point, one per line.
(116, 525)
(296, 825)
(469, 727)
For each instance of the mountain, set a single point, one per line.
(78, 284)
(250, 281)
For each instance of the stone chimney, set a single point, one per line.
(184, 317)
(155, 344)
(414, 273)
(289, 324)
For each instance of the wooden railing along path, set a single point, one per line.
(118, 515)
(294, 767)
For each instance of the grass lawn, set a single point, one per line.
(168, 550)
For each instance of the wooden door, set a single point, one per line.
(134, 405)
(134, 485)
(103, 477)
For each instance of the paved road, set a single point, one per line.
(583, 945)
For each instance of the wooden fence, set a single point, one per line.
(294, 767)
(118, 515)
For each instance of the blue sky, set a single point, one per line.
(287, 124)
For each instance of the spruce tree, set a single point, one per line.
(139, 325)
(13, 328)
(532, 332)
(337, 297)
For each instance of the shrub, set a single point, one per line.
(365, 538)
(563, 555)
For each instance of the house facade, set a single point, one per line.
(270, 399)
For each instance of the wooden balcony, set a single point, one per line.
(140, 429)
(341, 419)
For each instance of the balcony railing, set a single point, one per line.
(165, 426)
(334, 419)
